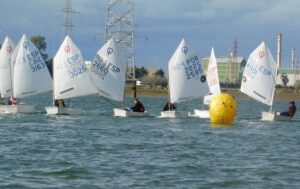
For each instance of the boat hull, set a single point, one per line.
(19, 108)
(53, 110)
(202, 113)
(271, 116)
(123, 113)
(207, 99)
(174, 114)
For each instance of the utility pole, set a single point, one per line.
(279, 45)
(232, 60)
(293, 58)
(120, 25)
(68, 11)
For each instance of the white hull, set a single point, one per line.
(123, 113)
(19, 108)
(174, 114)
(201, 113)
(271, 116)
(207, 99)
(53, 110)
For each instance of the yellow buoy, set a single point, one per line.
(222, 109)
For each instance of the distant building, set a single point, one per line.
(152, 71)
(230, 69)
(293, 76)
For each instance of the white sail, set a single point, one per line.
(186, 77)
(108, 71)
(6, 68)
(70, 74)
(31, 75)
(259, 78)
(212, 74)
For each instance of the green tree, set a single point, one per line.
(284, 79)
(41, 44)
(160, 73)
(141, 72)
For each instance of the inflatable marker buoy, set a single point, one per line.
(222, 109)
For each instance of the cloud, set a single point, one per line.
(164, 22)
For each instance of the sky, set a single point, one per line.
(161, 24)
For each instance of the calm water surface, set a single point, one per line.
(96, 150)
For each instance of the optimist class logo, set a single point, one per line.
(25, 45)
(185, 50)
(261, 54)
(67, 49)
(109, 51)
(8, 49)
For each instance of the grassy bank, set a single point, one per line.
(281, 94)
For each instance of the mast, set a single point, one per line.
(9, 50)
(11, 79)
(278, 65)
(169, 97)
(53, 98)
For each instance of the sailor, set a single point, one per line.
(138, 106)
(169, 107)
(59, 103)
(292, 110)
(12, 101)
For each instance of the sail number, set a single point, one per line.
(252, 70)
(75, 65)
(213, 79)
(191, 66)
(77, 71)
(35, 61)
(101, 67)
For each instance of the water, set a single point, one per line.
(96, 150)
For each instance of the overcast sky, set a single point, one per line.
(204, 23)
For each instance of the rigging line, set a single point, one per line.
(110, 102)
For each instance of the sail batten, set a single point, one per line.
(186, 77)
(259, 77)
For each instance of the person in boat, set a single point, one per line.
(1, 100)
(169, 106)
(291, 111)
(138, 106)
(12, 101)
(59, 103)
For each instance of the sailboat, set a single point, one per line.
(5, 68)
(259, 79)
(30, 75)
(108, 73)
(186, 78)
(213, 84)
(71, 78)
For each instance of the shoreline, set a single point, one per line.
(279, 95)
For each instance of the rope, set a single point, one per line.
(110, 102)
